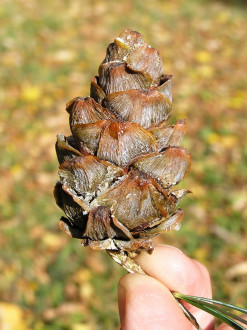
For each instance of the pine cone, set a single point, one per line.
(118, 167)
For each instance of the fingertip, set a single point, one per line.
(144, 303)
(175, 270)
(180, 273)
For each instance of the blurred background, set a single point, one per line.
(48, 51)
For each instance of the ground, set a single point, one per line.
(48, 53)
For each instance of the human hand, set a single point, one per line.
(145, 302)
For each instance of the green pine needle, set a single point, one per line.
(208, 305)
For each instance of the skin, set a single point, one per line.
(145, 302)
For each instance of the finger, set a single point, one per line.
(179, 273)
(145, 303)
(176, 271)
(224, 326)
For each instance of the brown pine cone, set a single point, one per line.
(118, 167)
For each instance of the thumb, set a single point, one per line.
(145, 303)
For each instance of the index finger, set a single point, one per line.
(179, 273)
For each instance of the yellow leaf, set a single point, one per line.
(203, 57)
(206, 71)
(213, 138)
(201, 254)
(52, 241)
(237, 101)
(228, 141)
(16, 171)
(86, 291)
(64, 56)
(31, 93)
(82, 276)
(82, 326)
(198, 190)
(11, 317)
(223, 16)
